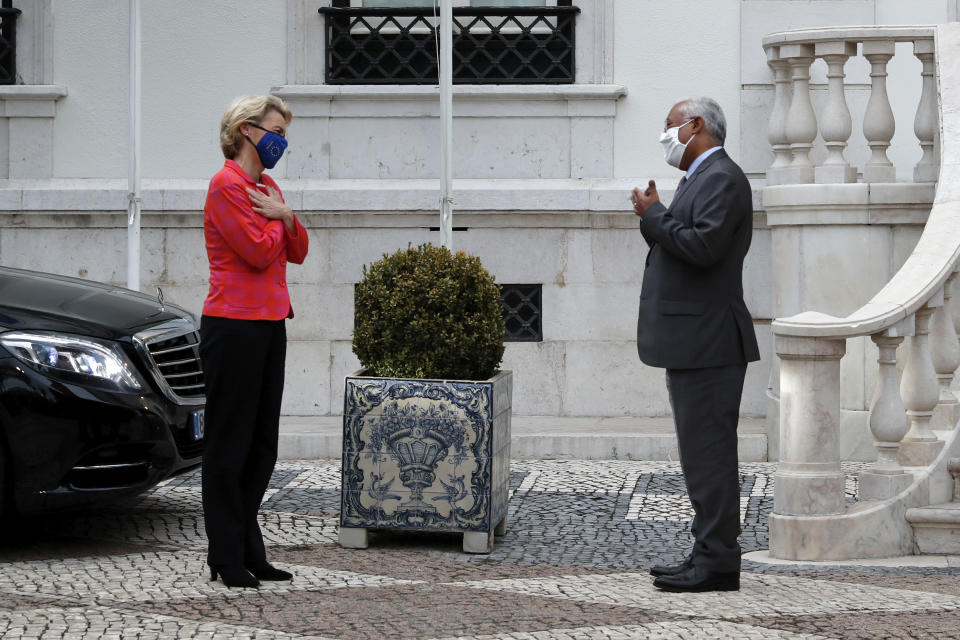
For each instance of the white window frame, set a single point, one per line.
(34, 41)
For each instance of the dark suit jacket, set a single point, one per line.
(692, 313)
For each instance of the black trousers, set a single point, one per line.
(243, 366)
(706, 409)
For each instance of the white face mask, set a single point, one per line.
(672, 147)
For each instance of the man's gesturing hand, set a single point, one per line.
(643, 199)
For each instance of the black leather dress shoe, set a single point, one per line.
(697, 579)
(670, 569)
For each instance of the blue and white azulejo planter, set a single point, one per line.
(426, 455)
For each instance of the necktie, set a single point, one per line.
(680, 184)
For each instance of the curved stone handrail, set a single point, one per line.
(904, 33)
(938, 251)
(913, 416)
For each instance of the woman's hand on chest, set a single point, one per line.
(271, 205)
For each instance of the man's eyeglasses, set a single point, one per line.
(669, 125)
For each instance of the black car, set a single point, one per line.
(101, 392)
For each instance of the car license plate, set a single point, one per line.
(196, 421)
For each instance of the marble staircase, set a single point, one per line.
(901, 343)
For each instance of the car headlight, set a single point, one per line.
(84, 357)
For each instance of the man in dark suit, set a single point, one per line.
(693, 322)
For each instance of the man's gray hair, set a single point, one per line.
(711, 113)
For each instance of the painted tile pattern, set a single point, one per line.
(425, 455)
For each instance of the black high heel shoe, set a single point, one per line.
(233, 576)
(268, 572)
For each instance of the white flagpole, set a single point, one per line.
(133, 211)
(445, 34)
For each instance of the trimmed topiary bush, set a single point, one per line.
(428, 313)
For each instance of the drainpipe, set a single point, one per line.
(133, 196)
(445, 34)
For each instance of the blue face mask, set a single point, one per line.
(270, 148)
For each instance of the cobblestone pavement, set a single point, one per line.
(572, 565)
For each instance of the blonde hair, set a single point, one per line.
(252, 109)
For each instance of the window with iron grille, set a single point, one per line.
(522, 312)
(8, 42)
(494, 42)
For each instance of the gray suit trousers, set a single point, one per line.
(706, 409)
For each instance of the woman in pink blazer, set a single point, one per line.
(251, 234)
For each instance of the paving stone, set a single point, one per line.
(759, 595)
(655, 631)
(572, 565)
(154, 576)
(411, 611)
(887, 625)
(104, 622)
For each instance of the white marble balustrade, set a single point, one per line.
(811, 519)
(912, 320)
(794, 124)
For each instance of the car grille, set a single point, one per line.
(177, 360)
(171, 352)
(187, 447)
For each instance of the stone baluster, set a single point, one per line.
(835, 121)
(888, 421)
(925, 124)
(801, 126)
(878, 122)
(945, 350)
(955, 309)
(921, 392)
(808, 479)
(777, 126)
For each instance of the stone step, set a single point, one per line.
(936, 528)
(542, 437)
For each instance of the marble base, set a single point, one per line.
(945, 417)
(353, 538)
(937, 528)
(914, 453)
(873, 533)
(835, 174)
(797, 175)
(478, 542)
(880, 173)
(880, 486)
(925, 173)
(882, 527)
(426, 455)
(939, 540)
(808, 493)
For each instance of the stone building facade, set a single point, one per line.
(543, 171)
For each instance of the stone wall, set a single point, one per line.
(543, 173)
(587, 253)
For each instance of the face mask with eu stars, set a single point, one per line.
(672, 147)
(270, 148)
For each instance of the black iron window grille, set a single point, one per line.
(8, 42)
(522, 312)
(491, 45)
